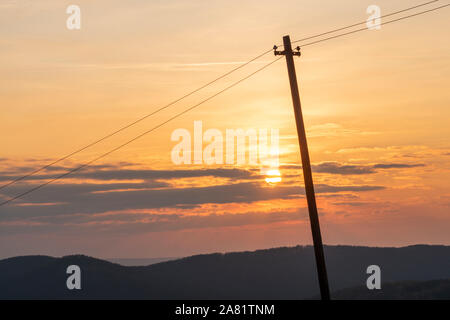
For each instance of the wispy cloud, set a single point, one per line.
(337, 168)
(147, 222)
(164, 66)
(220, 63)
(354, 169)
(397, 165)
(110, 172)
(334, 129)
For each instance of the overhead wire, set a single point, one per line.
(197, 105)
(195, 91)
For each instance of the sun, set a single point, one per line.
(273, 176)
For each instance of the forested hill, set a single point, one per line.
(279, 273)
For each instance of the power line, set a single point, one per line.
(191, 93)
(198, 104)
(134, 122)
(380, 24)
(364, 22)
(137, 137)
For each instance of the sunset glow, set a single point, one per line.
(375, 106)
(274, 176)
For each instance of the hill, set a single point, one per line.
(404, 290)
(139, 261)
(279, 273)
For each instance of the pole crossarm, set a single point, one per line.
(285, 52)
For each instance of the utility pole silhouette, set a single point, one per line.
(306, 164)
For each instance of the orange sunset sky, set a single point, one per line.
(376, 108)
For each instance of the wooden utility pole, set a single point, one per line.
(306, 164)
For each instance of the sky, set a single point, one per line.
(375, 106)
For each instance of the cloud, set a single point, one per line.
(166, 66)
(141, 174)
(146, 222)
(397, 165)
(353, 203)
(345, 169)
(337, 168)
(219, 63)
(334, 130)
(138, 204)
(324, 188)
(79, 198)
(290, 167)
(90, 198)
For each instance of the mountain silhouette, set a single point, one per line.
(404, 290)
(279, 273)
